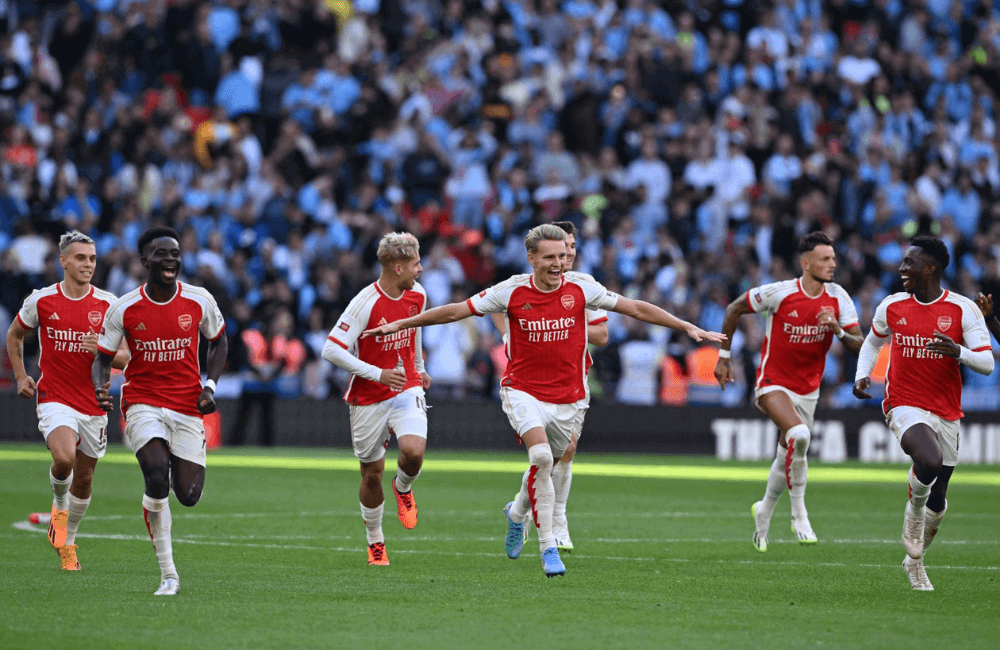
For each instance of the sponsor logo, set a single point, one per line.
(344, 326)
(54, 316)
(901, 321)
(568, 302)
(413, 311)
(546, 324)
(95, 318)
(162, 344)
(944, 322)
(141, 327)
(793, 314)
(185, 320)
(758, 297)
(527, 306)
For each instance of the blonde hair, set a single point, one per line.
(546, 231)
(397, 246)
(72, 237)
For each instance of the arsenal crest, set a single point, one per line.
(944, 322)
(568, 302)
(185, 320)
(95, 318)
(413, 310)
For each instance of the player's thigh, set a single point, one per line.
(565, 422)
(778, 406)
(917, 431)
(144, 424)
(186, 437)
(58, 425)
(93, 431)
(408, 421)
(370, 430)
(524, 412)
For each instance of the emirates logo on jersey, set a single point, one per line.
(413, 310)
(95, 318)
(568, 302)
(185, 320)
(944, 322)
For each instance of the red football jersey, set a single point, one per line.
(61, 322)
(793, 354)
(369, 309)
(163, 338)
(547, 340)
(919, 378)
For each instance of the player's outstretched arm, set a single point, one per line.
(218, 350)
(985, 304)
(444, 314)
(100, 375)
(867, 357)
(650, 313)
(724, 366)
(15, 352)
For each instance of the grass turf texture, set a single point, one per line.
(274, 557)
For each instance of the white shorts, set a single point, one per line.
(560, 421)
(902, 418)
(372, 424)
(185, 434)
(91, 430)
(805, 405)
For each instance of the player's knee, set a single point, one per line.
(157, 483)
(188, 496)
(541, 457)
(798, 439)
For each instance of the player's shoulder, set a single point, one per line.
(104, 296)
(894, 298)
(44, 292)
(511, 283)
(418, 288)
(364, 299)
(579, 276)
(194, 292)
(965, 303)
(126, 300)
(835, 290)
(775, 290)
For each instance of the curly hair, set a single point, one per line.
(155, 233)
(935, 248)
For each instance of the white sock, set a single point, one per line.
(373, 523)
(562, 479)
(775, 484)
(932, 521)
(157, 515)
(59, 490)
(919, 492)
(404, 481)
(541, 492)
(797, 468)
(77, 509)
(522, 504)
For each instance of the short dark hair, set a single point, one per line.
(814, 239)
(568, 226)
(155, 233)
(935, 248)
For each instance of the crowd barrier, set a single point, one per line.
(741, 433)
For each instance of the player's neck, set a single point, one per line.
(811, 286)
(928, 294)
(161, 292)
(74, 290)
(542, 282)
(389, 287)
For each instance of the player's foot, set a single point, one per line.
(57, 528)
(514, 542)
(168, 587)
(68, 556)
(563, 542)
(917, 575)
(761, 527)
(913, 531)
(552, 564)
(406, 507)
(377, 555)
(803, 531)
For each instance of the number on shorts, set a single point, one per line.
(102, 438)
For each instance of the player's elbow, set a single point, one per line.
(600, 337)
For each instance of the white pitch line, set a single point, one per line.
(28, 527)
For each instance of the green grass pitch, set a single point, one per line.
(273, 557)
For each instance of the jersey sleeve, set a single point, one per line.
(28, 315)
(113, 330)
(848, 312)
(212, 323)
(597, 316)
(765, 298)
(974, 332)
(352, 322)
(597, 295)
(493, 300)
(880, 324)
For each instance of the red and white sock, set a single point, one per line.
(797, 468)
(373, 523)
(156, 512)
(77, 509)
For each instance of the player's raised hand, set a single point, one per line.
(104, 397)
(89, 342)
(828, 319)
(985, 304)
(944, 345)
(724, 372)
(388, 328)
(700, 335)
(26, 386)
(861, 387)
(425, 380)
(206, 401)
(393, 378)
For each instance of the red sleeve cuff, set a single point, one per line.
(337, 342)
(750, 304)
(983, 349)
(221, 331)
(23, 324)
(602, 319)
(110, 353)
(879, 334)
(847, 327)
(468, 301)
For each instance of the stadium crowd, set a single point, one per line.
(691, 143)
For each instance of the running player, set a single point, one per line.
(386, 393)
(72, 423)
(802, 317)
(562, 471)
(544, 388)
(933, 332)
(163, 398)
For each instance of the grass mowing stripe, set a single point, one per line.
(821, 474)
